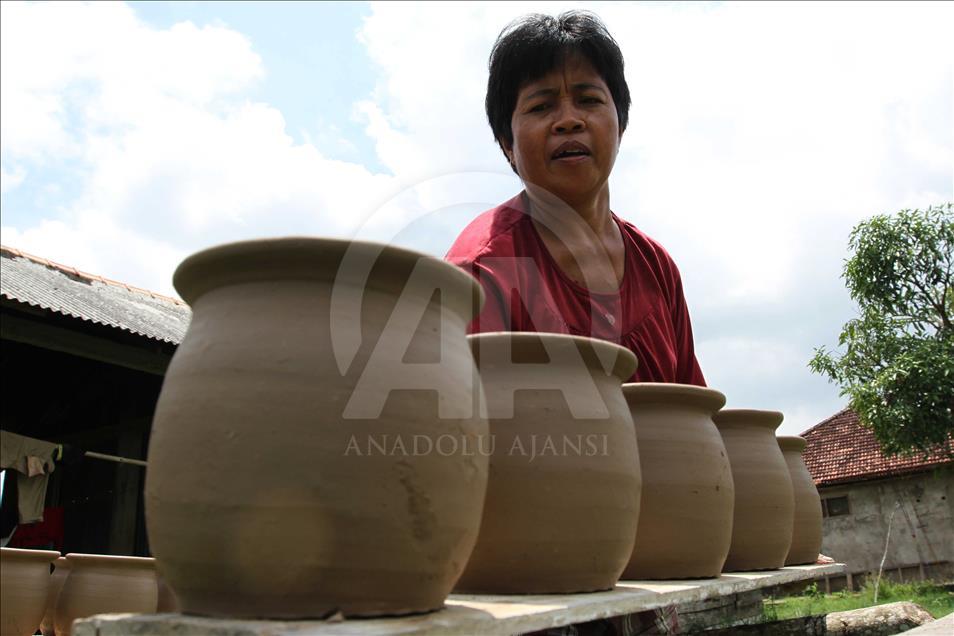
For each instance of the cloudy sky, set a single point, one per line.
(134, 134)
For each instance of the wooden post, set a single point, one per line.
(128, 485)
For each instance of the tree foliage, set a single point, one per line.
(896, 362)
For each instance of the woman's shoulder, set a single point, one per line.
(645, 244)
(496, 232)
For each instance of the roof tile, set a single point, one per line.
(39, 282)
(841, 450)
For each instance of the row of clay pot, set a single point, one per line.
(718, 491)
(81, 585)
(707, 490)
(291, 413)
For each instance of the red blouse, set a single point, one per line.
(527, 291)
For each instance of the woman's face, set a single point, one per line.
(566, 132)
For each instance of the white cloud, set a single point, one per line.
(10, 180)
(69, 68)
(759, 134)
(768, 371)
(103, 249)
(173, 156)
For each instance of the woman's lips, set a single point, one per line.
(572, 159)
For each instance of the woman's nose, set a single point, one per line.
(567, 120)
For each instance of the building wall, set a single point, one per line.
(922, 529)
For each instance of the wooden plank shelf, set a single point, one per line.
(471, 614)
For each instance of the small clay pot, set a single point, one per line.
(105, 584)
(563, 495)
(60, 572)
(685, 519)
(764, 502)
(807, 526)
(284, 481)
(24, 585)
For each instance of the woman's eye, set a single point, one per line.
(592, 100)
(538, 108)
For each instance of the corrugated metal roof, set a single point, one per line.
(841, 450)
(41, 283)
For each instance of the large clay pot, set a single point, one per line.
(24, 585)
(685, 518)
(167, 603)
(563, 495)
(284, 480)
(807, 526)
(61, 569)
(764, 502)
(105, 584)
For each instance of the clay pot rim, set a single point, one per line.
(25, 554)
(525, 346)
(705, 398)
(748, 417)
(792, 443)
(110, 560)
(318, 259)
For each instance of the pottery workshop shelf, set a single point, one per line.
(472, 614)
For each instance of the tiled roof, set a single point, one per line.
(65, 290)
(841, 450)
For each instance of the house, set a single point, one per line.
(865, 494)
(83, 359)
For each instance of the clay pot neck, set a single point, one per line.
(748, 418)
(511, 347)
(22, 554)
(792, 443)
(350, 263)
(697, 397)
(77, 561)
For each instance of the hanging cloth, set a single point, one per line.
(33, 461)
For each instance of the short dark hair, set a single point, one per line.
(532, 46)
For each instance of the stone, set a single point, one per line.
(880, 620)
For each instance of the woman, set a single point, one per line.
(555, 258)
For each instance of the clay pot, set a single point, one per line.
(167, 603)
(105, 584)
(283, 479)
(807, 527)
(24, 585)
(685, 520)
(764, 502)
(563, 495)
(60, 572)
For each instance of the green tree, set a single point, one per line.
(896, 362)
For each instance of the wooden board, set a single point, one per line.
(471, 614)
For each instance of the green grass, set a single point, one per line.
(935, 599)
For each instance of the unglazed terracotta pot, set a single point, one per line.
(764, 502)
(563, 496)
(105, 584)
(807, 526)
(24, 585)
(284, 480)
(685, 519)
(60, 572)
(167, 603)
